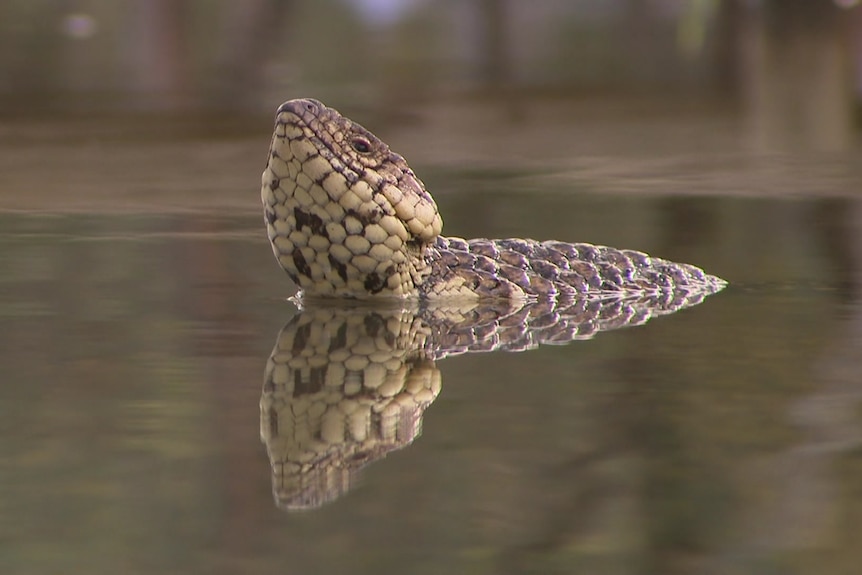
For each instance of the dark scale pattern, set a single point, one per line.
(301, 265)
(310, 221)
(339, 267)
(374, 282)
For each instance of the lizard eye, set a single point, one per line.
(361, 145)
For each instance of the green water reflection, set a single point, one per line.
(724, 438)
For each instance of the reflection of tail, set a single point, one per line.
(508, 326)
(345, 385)
(341, 390)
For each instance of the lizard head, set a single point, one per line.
(345, 214)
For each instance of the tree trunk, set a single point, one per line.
(799, 93)
(252, 27)
(497, 74)
(159, 55)
(730, 23)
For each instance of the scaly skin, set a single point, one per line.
(347, 217)
(347, 384)
(344, 386)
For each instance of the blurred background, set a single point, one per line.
(139, 299)
(199, 56)
(446, 82)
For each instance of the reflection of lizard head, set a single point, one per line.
(343, 387)
(341, 390)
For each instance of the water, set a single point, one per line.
(724, 438)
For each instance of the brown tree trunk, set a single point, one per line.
(799, 81)
(252, 27)
(497, 73)
(31, 58)
(730, 22)
(159, 55)
(639, 43)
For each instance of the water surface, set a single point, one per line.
(722, 438)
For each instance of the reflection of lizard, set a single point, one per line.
(344, 386)
(341, 389)
(348, 217)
